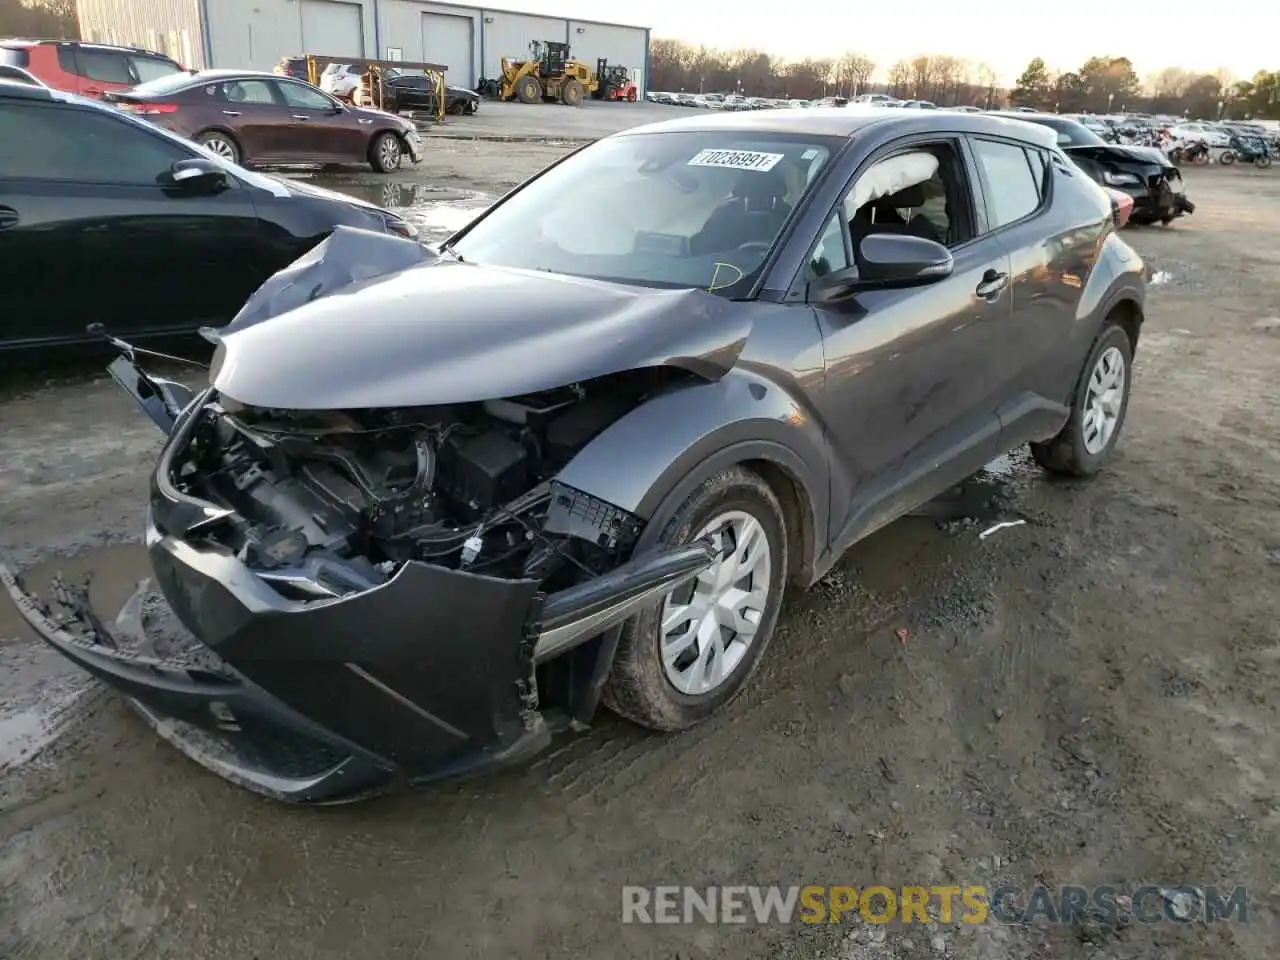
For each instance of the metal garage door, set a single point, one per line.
(332, 29)
(447, 39)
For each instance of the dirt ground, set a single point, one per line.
(1087, 698)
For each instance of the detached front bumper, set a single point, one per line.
(1162, 199)
(413, 140)
(426, 676)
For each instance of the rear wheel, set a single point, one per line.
(631, 96)
(385, 153)
(220, 144)
(1227, 158)
(681, 660)
(571, 93)
(529, 90)
(1264, 161)
(1098, 409)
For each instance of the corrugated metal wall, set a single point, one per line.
(167, 26)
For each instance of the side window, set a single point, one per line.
(1015, 192)
(248, 92)
(304, 98)
(104, 66)
(83, 145)
(67, 61)
(152, 68)
(921, 192)
(830, 254)
(1039, 169)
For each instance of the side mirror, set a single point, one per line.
(893, 260)
(886, 261)
(198, 175)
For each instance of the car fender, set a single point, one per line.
(1118, 274)
(649, 460)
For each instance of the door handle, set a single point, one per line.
(93, 90)
(992, 283)
(8, 218)
(231, 113)
(297, 117)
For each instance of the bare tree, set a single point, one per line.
(854, 71)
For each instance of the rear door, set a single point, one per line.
(318, 126)
(89, 232)
(254, 113)
(1051, 249)
(99, 70)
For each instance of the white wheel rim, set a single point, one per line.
(1104, 400)
(709, 625)
(389, 152)
(221, 148)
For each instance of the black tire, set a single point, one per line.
(529, 90)
(1263, 161)
(220, 143)
(1067, 453)
(638, 687)
(1227, 158)
(571, 93)
(386, 152)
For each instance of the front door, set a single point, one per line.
(914, 376)
(318, 126)
(257, 117)
(93, 234)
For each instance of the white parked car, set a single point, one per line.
(1195, 130)
(340, 80)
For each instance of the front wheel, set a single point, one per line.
(1263, 161)
(1098, 410)
(1227, 158)
(385, 153)
(571, 93)
(631, 96)
(681, 660)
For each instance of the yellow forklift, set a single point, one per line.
(550, 74)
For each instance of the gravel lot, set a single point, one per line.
(1088, 698)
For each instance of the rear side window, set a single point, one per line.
(67, 61)
(81, 145)
(1013, 187)
(104, 66)
(13, 57)
(153, 68)
(256, 92)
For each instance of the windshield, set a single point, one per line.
(663, 209)
(163, 86)
(1070, 133)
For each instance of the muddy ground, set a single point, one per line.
(1088, 698)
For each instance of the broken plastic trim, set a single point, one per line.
(577, 614)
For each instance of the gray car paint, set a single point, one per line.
(868, 407)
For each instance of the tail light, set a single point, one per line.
(1121, 207)
(149, 109)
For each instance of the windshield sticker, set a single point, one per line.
(736, 160)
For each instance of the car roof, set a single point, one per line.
(79, 44)
(18, 90)
(849, 121)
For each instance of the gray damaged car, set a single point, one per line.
(434, 504)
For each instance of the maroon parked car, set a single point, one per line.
(249, 117)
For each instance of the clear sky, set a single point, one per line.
(1004, 33)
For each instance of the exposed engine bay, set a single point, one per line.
(327, 503)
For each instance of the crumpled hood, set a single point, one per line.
(1117, 153)
(446, 332)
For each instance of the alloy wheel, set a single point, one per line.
(1104, 400)
(221, 146)
(708, 625)
(389, 153)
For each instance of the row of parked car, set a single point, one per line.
(737, 101)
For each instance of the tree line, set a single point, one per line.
(1102, 84)
(677, 67)
(51, 19)
(1109, 84)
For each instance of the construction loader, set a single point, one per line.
(549, 74)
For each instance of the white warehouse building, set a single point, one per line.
(256, 34)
